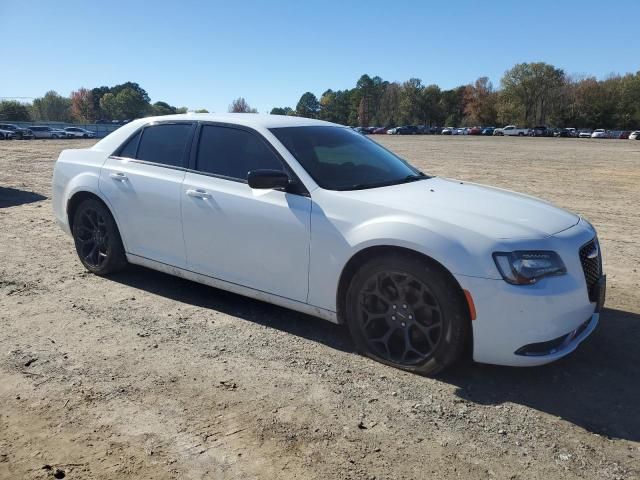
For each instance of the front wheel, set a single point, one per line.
(407, 314)
(97, 239)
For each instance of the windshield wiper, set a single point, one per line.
(414, 177)
(409, 178)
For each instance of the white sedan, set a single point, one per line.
(314, 217)
(77, 132)
(599, 133)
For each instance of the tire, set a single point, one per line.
(407, 314)
(85, 136)
(97, 238)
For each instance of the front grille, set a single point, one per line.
(591, 261)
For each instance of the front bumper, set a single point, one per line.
(561, 346)
(528, 325)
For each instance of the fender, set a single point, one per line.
(331, 250)
(72, 177)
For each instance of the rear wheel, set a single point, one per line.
(408, 314)
(97, 239)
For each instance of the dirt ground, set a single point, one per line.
(142, 375)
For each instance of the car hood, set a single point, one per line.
(489, 211)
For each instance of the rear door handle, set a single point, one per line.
(198, 193)
(119, 176)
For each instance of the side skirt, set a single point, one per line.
(235, 288)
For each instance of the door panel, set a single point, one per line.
(146, 202)
(255, 238)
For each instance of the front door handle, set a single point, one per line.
(119, 176)
(198, 193)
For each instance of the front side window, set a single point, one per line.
(164, 143)
(341, 159)
(231, 152)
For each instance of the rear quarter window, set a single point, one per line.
(130, 148)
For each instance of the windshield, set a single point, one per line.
(342, 159)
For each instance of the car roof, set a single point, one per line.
(253, 120)
(246, 119)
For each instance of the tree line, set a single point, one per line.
(125, 101)
(529, 94)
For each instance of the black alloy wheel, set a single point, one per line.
(97, 239)
(407, 312)
(400, 318)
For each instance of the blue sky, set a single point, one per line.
(203, 54)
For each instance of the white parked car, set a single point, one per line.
(42, 131)
(315, 217)
(58, 133)
(584, 134)
(514, 131)
(635, 135)
(79, 132)
(599, 133)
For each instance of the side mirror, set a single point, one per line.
(268, 179)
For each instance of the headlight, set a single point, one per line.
(527, 267)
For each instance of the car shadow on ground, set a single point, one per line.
(12, 197)
(199, 295)
(596, 388)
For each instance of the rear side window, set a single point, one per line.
(231, 152)
(164, 144)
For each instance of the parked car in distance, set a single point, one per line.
(488, 131)
(624, 135)
(41, 131)
(407, 130)
(447, 131)
(18, 132)
(305, 214)
(565, 132)
(392, 131)
(78, 132)
(58, 133)
(6, 134)
(635, 135)
(498, 132)
(584, 133)
(540, 131)
(514, 131)
(362, 130)
(599, 133)
(475, 131)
